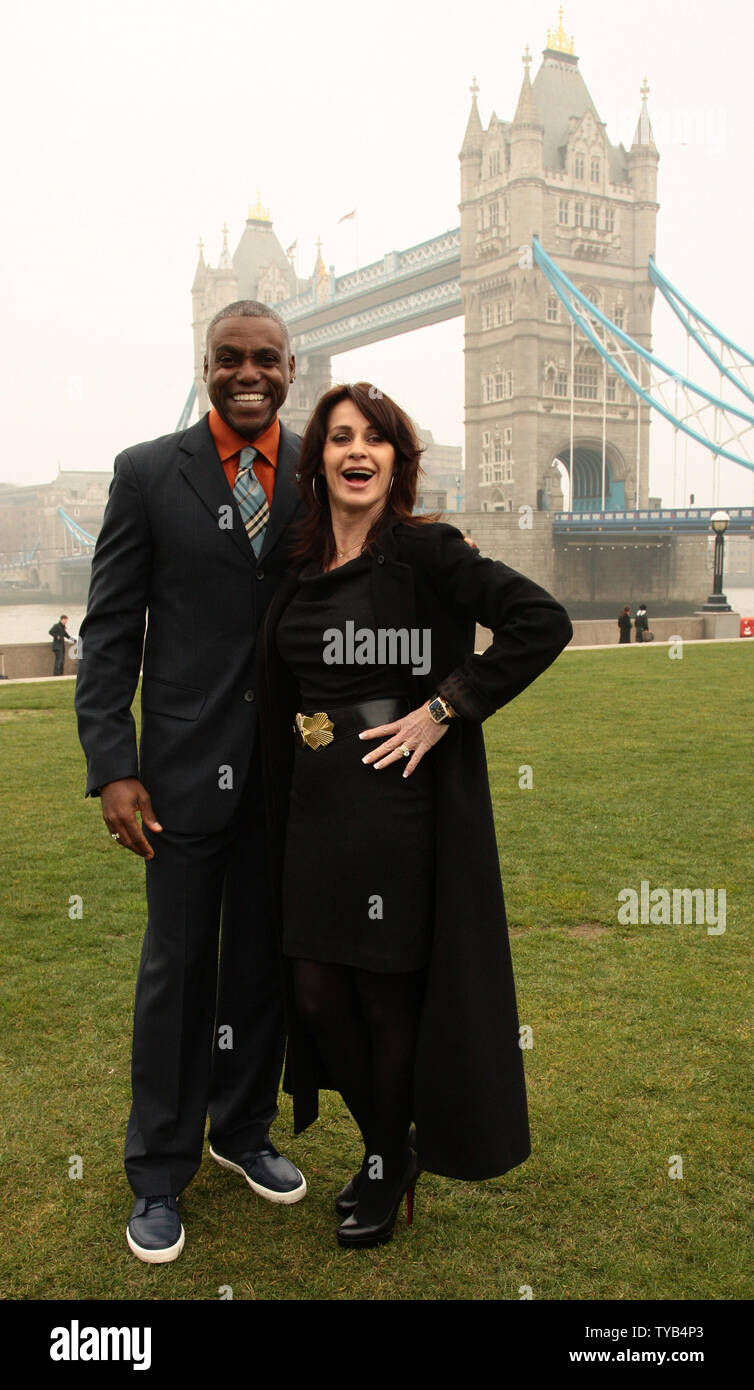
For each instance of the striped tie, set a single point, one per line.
(251, 499)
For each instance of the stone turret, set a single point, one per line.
(263, 269)
(526, 132)
(643, 159)
(471, 168)
(471, 150)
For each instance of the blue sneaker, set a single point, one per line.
(267, 1172)
(154, 1231)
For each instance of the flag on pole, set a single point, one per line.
(292, 247)
(346, 217)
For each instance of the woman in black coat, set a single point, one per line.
(398, 972)
(624, 624)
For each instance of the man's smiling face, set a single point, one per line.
(248, 370)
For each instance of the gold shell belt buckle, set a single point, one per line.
(315, 730)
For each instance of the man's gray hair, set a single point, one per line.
(250, 308)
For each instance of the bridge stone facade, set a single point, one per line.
(552, 171)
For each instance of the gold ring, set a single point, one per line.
(114, 837)
(405, 751)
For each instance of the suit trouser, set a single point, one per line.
(207, 1035)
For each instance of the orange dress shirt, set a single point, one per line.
(229, 446)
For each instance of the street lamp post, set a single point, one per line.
(717, 601)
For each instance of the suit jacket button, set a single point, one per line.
(260, 573)
(248, 696)
(380, 559)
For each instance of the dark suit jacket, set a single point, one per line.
(469, 1094)
(173, 546)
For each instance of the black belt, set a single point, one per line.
(319, 729)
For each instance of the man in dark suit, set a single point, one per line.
(60, 635)
(195, 537)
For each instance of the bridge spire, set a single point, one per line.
(526, 110)
(643, 134)
(558, 41)
(225, 263)
(258, 213)
(472, 140)
(200, 274)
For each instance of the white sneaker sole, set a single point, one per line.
(287, 1198)
(156, 1257)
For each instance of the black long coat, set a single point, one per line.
(470, 1097)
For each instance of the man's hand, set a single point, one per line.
(120, 802)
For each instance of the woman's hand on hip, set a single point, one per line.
(417, 732)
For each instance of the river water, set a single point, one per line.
(31, 622)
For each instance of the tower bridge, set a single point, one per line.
(550, 172)
(552, 268)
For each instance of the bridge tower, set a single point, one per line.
(259, 269)
(552, 171)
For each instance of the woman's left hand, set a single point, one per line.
(417, 731)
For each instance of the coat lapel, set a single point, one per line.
(392, 587)
(285, 499)
(203, 471)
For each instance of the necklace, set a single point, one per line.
(341, 554)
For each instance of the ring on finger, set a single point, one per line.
(114, 836)
(405, 750)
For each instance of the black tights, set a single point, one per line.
(365, 1025)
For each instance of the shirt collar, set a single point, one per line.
(229, 443)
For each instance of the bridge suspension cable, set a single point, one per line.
(79, 534)
(185, 414)
(705, 334)
(722, 428)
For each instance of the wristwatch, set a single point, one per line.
(440, 710)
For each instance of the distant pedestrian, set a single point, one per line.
(624, 623)
(60, 635)
(641, 622)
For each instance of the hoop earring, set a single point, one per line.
(314, 490)
(392, 480)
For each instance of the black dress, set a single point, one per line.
(358, 879)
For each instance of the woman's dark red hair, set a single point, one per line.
(314, 535)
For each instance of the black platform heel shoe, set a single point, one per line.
(348, 1197)
(373, 1221)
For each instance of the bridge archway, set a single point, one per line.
(584, 478)
(498, 502)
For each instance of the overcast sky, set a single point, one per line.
(129, 131)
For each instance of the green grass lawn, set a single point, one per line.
(641, 770)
